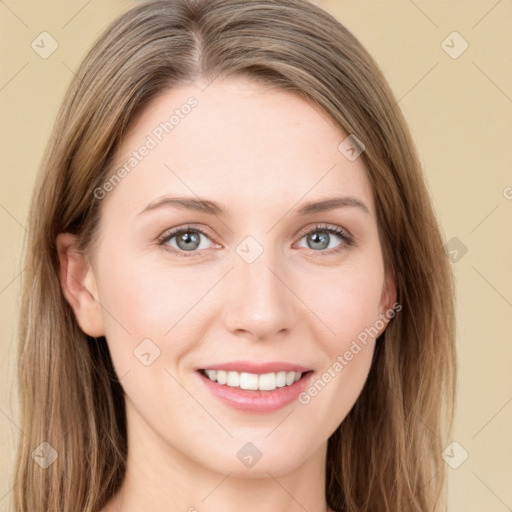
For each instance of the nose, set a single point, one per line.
(258, 300)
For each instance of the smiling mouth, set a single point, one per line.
(254, 381)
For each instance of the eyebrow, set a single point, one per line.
(213, 208)
(331, 204)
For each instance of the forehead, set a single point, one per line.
(237, 141)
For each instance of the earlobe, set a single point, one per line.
(78, 285)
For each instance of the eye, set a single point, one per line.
(323, 237)
(188, 241)
(184, 240)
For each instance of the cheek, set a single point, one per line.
(148, 302)
(348, 300)
(145, 302)
(350, 309)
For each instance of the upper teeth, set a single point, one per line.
(264, 382)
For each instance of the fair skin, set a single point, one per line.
(260, 154)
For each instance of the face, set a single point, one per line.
(254, 274)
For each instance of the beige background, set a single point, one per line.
(460, 113)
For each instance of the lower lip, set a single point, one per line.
(257, 400)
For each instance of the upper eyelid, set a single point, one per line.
(172, 232)
(323, 226)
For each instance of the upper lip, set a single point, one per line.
(252, 367)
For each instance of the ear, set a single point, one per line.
(388, 292)
(78, 285)
(388, 300)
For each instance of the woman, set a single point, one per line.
(236, 293)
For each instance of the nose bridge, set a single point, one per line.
(257, 299)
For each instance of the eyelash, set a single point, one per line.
(346, 238)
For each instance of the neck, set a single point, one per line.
(164, 478)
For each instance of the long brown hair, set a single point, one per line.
(386, 454)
